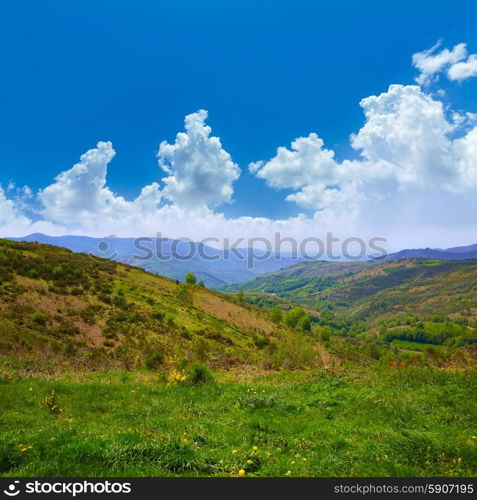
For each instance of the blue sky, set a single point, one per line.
(266, 72)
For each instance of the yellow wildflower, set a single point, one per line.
(242, 473)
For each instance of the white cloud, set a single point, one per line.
(412, 180)
(456, 63)
(306, 161)
(10, 212)
(201, 172)
(409, 159)
(429, 62)
(79, 196)
(408, 130)
(464, 69)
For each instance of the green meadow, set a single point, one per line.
(416, 421)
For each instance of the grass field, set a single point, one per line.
(417, 421)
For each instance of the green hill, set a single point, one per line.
(107, 370)
(57, 307)
(370, 291)
(432, 296)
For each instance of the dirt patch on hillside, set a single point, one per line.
(235, 314)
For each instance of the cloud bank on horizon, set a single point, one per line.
(412, 179)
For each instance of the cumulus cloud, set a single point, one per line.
(410, 155)
(455, 62)
(412, 179)
(429, 62)
(200, 172)
(292, 168)
(464, 69)
(79, 196)
(10, 212)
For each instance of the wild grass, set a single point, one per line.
(416, 421)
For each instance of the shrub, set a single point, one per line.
(276, 314)
(186, 334)
(290, 352)
(261, 342)
(293, 317)
(170, 321)
(190, 278)
(159, 315)
(50, 403)
(154, 360)
(325, 333)
(38, 318)
(304, 324)
(199, 374)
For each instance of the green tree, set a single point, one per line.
(276, 314)
(325, 333)
(292, 317)
(191, 278)
(304, 324)
(201, 284)
(240, 296)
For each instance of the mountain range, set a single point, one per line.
(172, 258)
(455, 253)
(215, 267)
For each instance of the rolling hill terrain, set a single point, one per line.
(367, 291)
(56, 304)
(170, 258)
(418, 300)
(108, 370)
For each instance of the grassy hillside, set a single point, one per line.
(418, 300)
(59, 306)
(168, 257)
(367, 291)
(376, 422)
(108, 370)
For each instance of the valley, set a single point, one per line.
(317, 369)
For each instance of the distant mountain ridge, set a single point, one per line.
(165, 256)
(455, 253)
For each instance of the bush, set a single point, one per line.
(304, 324)
(290, 353)
(159, 315)
(199, 374)
(190, 278)
(325, 333)
(154, 360)
(50, 403)
(170, 321)
(38, 318)
(293, 317)
(276, 314)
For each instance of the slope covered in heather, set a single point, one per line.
(56, 304)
